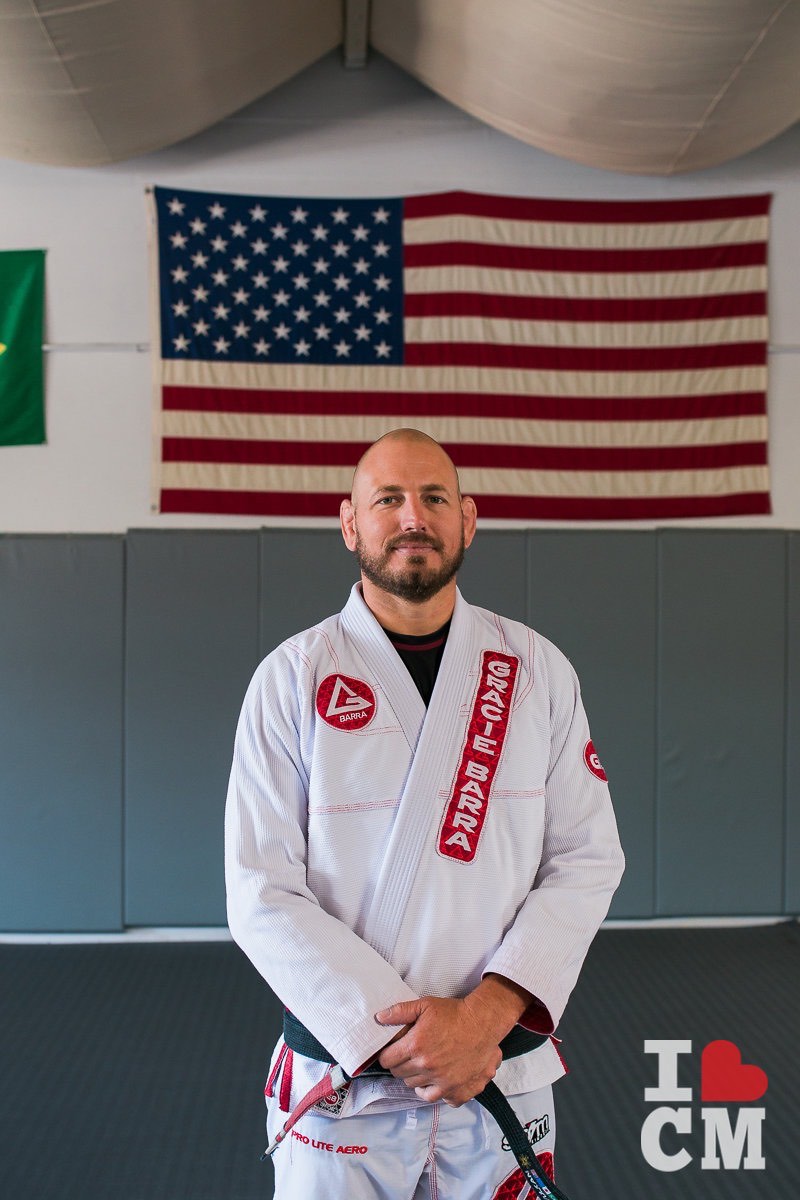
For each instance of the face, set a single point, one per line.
(407, 525)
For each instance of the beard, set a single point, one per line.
(416, 581)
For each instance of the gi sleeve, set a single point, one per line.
(580, 866)
(326, 975)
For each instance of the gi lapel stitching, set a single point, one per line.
(414, 832)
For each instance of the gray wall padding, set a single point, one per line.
(61, 751)
(123, 663)
(191, 637)
(721, 730)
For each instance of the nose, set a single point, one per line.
(413, 514)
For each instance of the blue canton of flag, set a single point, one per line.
(280, 280)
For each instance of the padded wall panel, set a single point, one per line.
(61, 733)
(306, 575)
(495, 575)
(191, 647)
(593, 594)
(203, 608)
(721, 757)
(792, 899)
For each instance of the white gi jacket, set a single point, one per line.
(378, 852)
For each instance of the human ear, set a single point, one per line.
(469, 515)
(347, 519)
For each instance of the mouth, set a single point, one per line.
(411, 548)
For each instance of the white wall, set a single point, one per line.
(328, 132)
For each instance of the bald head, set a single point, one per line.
(398, 439)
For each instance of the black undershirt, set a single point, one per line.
(421, 656)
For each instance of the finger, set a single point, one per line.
(413, 1077)
(431, 1094)
(397, 1050)
(400, 1067)
(396, 1054)
(404, 1013)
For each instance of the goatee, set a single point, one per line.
(417, 583)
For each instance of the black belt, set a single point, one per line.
(518, 1041)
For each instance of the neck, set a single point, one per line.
(401, 616)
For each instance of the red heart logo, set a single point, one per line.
(725, 1077)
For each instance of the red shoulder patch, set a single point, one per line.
(593, 762)
(346, 703)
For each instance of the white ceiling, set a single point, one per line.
(644, 86)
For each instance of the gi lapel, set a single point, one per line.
(414, 834)
(385, 668)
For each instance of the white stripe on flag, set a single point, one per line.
(580, 285)
(288, 427)
(584, 334)
(464, 380)
(572, 235)
(475, 480)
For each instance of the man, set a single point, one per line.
(420, 847)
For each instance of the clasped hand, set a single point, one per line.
(445, 1050)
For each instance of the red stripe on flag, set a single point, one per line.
(589, 508)
(487, 405)
(560, 308)
(574, 508)
(589, 358)
(514, 457)
(545, 258)
(251, 504)
(603, 212)
(262, 453)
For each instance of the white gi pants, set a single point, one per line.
(430, 1152)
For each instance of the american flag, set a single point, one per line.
(579, 360)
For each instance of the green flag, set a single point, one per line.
(21, 373)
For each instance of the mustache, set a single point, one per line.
(413, 539)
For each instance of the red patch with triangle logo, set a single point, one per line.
(593, 762)
(345, 703)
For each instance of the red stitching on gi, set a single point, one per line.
(285, 1097)
(329, 646)
(430, 1161)
(524, 691)
(365, 806)
(269, 1088)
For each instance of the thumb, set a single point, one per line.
(404, 1013)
